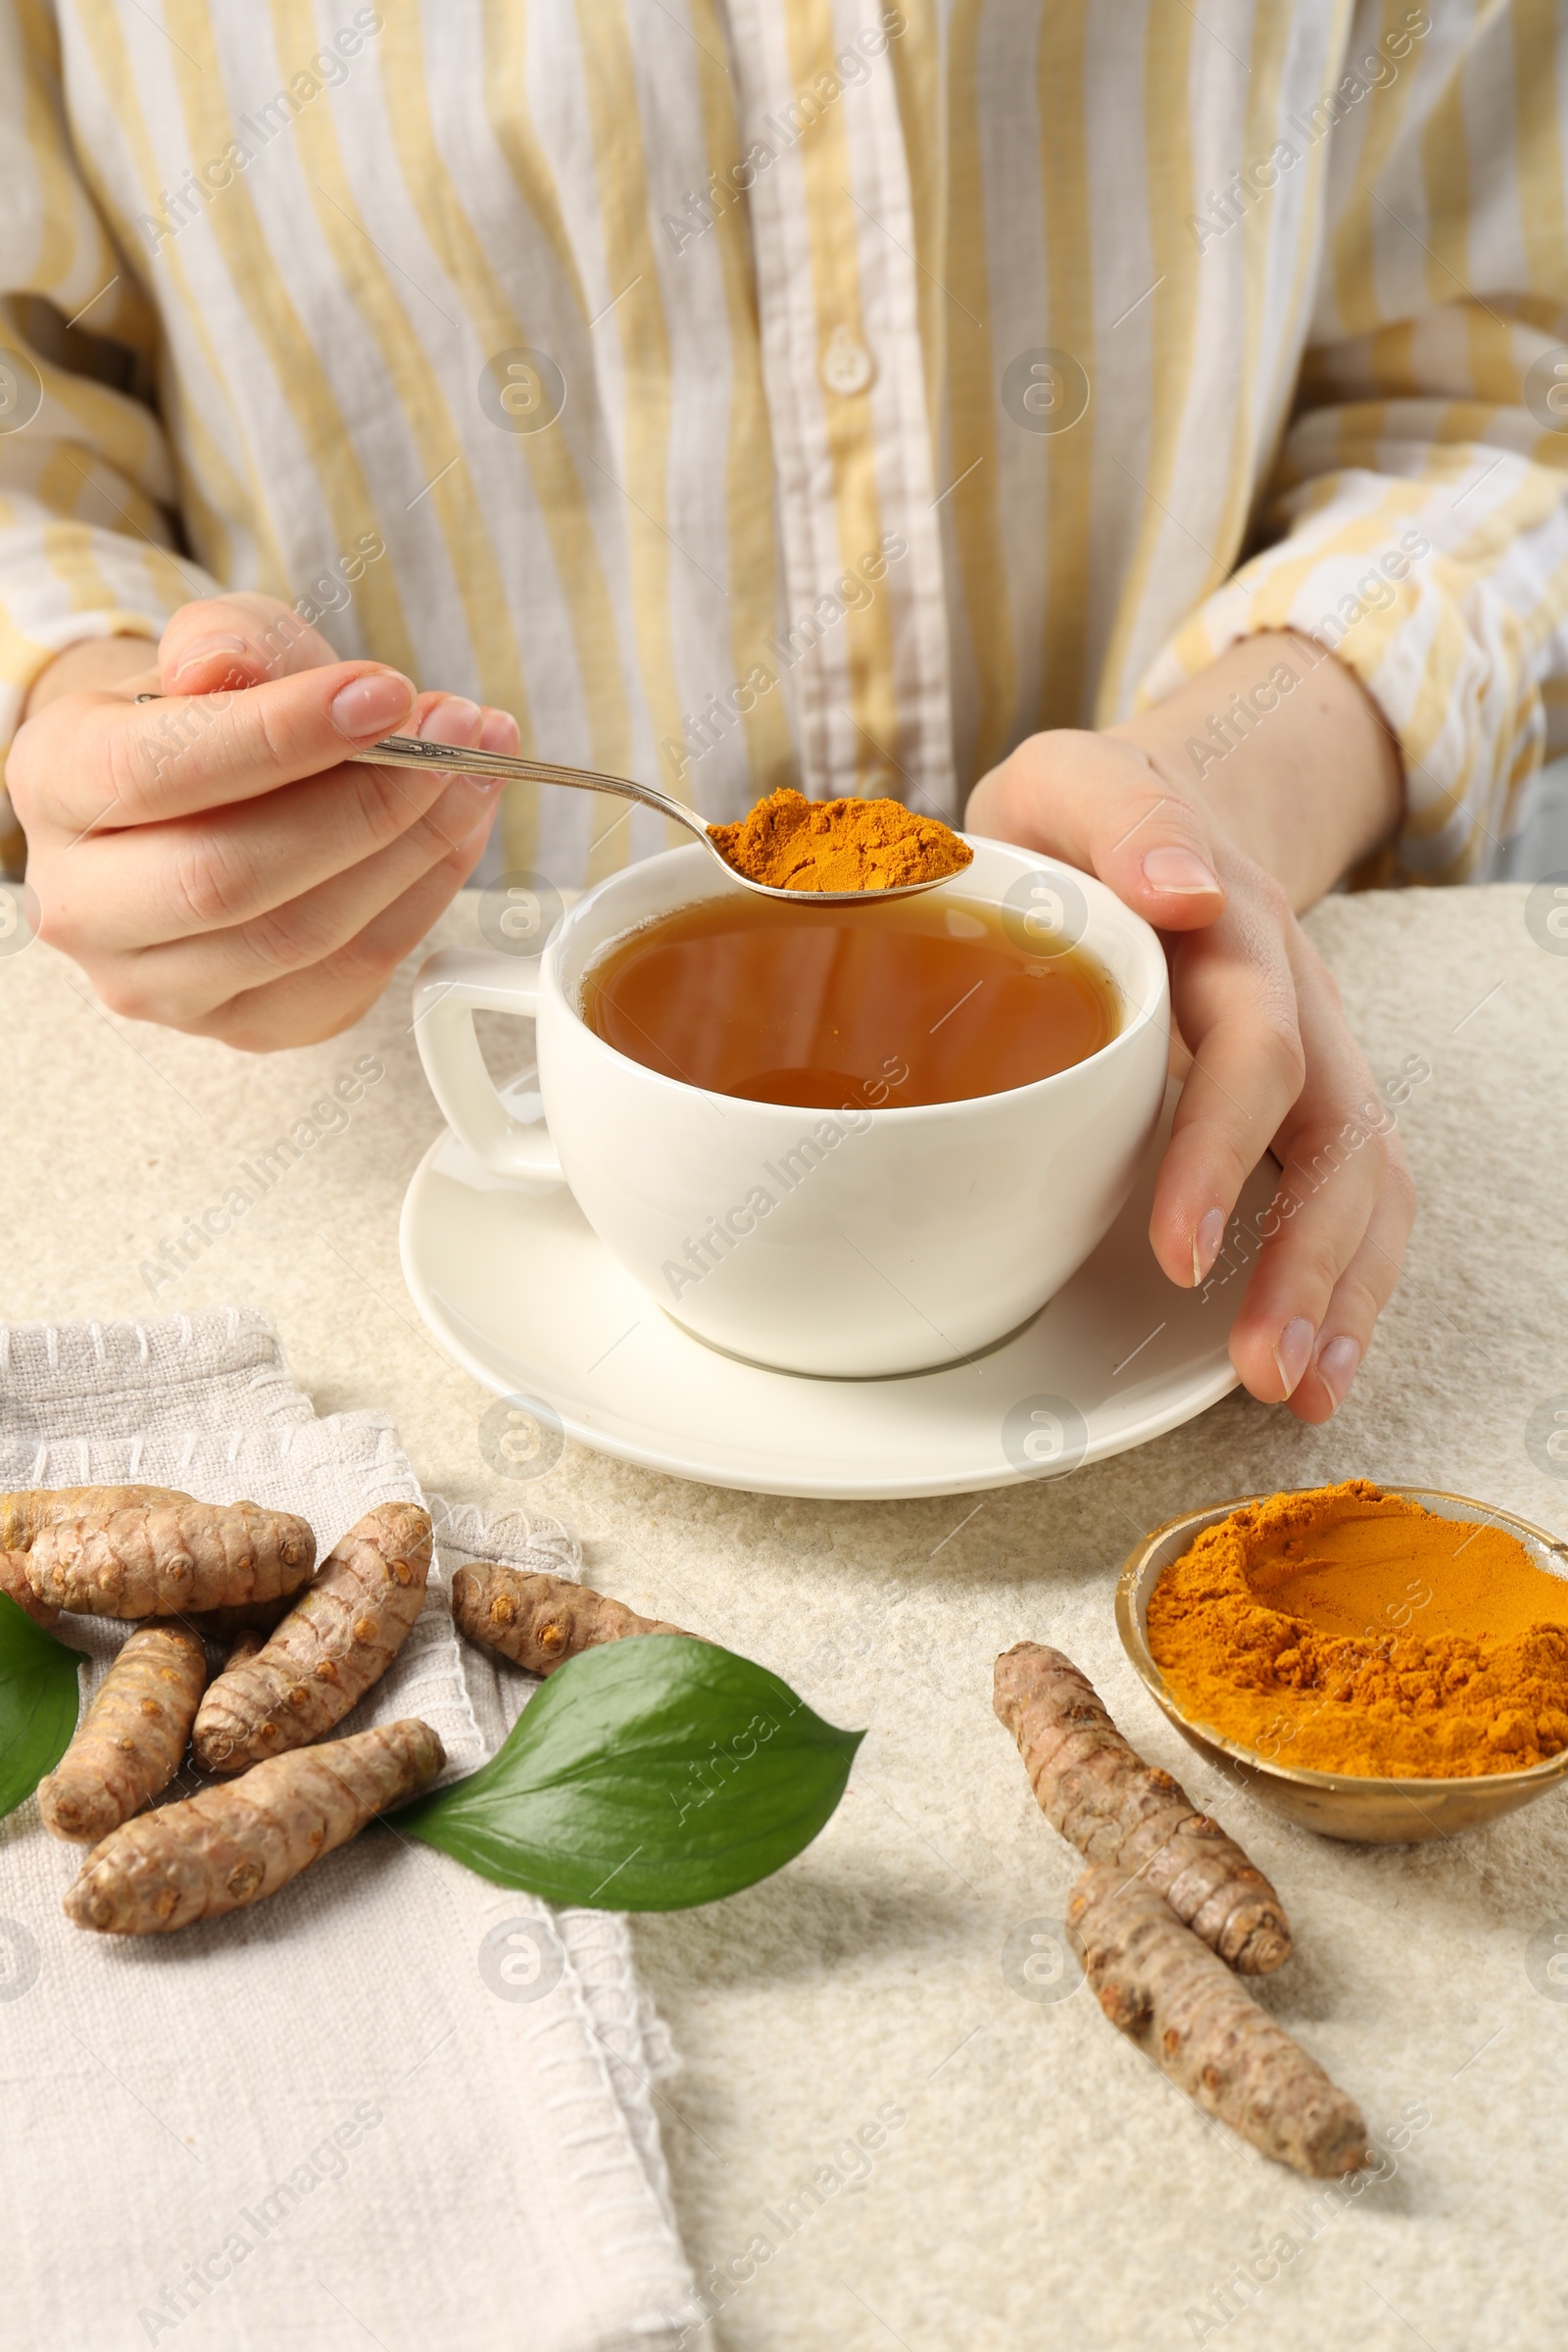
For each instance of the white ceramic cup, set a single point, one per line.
(852, 1242)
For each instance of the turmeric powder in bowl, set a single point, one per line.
(1347, 1631)
(791, 843)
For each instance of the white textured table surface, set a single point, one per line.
(1044, 2186)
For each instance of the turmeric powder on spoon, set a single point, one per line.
(791, 843)
(1348, 1631)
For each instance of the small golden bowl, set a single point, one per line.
(1380, 1811)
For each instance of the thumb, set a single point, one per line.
(1100, 804)
(219, 644)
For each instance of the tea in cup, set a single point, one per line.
(839, 1140)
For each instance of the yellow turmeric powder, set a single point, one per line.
(791, 843)
(1345, 1630)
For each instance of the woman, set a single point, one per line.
(1149, 417)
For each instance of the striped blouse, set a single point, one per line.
(760, 391)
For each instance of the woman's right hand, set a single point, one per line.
(214, 861)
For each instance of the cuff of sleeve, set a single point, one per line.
(63, 582)
(27, 657)
(1443, 659)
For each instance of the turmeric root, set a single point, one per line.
(168, 1559)
(1116, 1808)
(339, 1639)
(24, 1513)
(540, 1621)
(244, 1839)
(246, 1643)
(15, 1586)
(241, 1617)
(133, 1739)
(1170, 1995)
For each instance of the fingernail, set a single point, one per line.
(453, 720)
(209, 650)
(1294, 1352)
(371, 706)
(1206, 1238)
(1176, 869)
(1337, 1364)
(500, 733)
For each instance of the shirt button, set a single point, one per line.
(847, 366)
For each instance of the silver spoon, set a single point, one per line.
(412, 751)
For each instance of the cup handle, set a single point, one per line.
(451, 988)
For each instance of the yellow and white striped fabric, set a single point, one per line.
(750, 391)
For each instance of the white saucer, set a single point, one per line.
(519, 1289)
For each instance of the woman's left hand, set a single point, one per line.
(1274, 1064)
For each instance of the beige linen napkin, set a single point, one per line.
(394, 2105)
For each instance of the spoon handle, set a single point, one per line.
(410, 751)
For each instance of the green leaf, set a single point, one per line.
(39, 1700)
(647, 1774)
